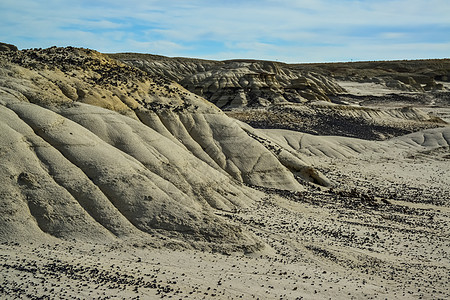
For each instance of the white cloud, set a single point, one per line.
(286, 30)
(393, 35)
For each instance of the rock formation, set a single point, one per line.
(300, 96)
(239, 83)
(408, 76)
(250, 83)
(99, 149)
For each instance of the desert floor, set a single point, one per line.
(381, 233)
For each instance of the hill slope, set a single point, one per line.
(298, 97)
(96, 149)
(238, 83)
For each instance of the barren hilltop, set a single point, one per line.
(141, 176)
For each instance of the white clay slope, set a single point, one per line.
(75, 185)
(88, 156)
(308, 145)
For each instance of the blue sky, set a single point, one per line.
(289, 31)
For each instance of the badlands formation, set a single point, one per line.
(133, 176)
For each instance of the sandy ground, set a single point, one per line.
(64, 272)
(374, 89)
(365, 89)
(381, 233)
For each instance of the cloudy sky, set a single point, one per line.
(286, 30)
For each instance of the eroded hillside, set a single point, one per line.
(113, 177)
(325, 99)
(239, 83)
(93, 148)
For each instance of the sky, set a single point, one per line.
(292, 31)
